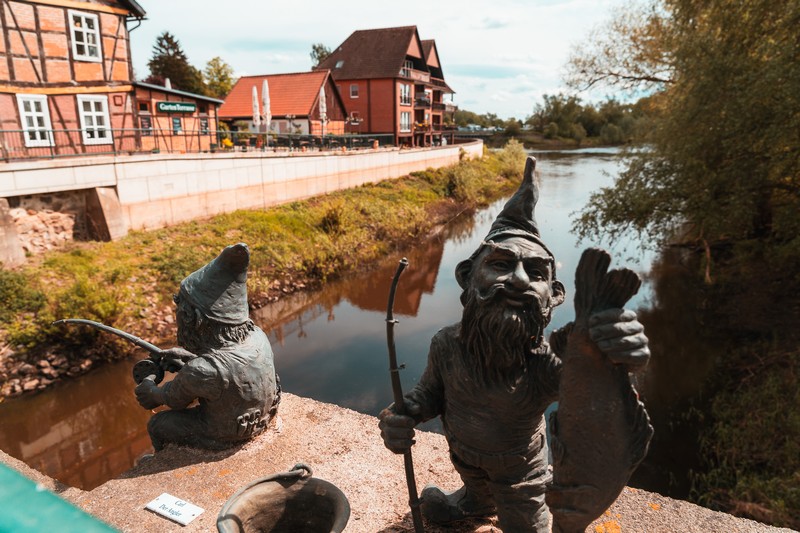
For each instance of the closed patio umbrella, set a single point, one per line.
(323, 108)
(256, 111)
(265, 107)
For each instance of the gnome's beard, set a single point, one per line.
(497, 337)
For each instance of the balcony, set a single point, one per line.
(420, 127)
(422, 101)
(416, 75)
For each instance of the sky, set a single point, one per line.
(499, 56)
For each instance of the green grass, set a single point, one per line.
(308, 242)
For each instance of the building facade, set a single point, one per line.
(392, 82)
(67, 85)
(295, 106)
(175, 121)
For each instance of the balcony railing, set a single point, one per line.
(422, 101)
(69, 143)
(416, 75)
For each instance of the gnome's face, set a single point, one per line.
(509, 293)
(517, 274)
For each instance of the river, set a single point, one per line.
(330, 345)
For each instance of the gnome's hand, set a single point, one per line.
(148, 394)
(620, 336)
(173, 359)
(397, 431)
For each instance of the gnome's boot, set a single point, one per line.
(442, 507)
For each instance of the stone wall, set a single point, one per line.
(55, 201)
(46, 221)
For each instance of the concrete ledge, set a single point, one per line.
(342, 447)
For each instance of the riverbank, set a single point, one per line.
(537, 141)
(344, 448)
(298, 246)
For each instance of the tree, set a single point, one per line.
(218, 76)
(169, 61)
(512, 128)
(633, 51)
(559, 109)
(463, 117)
(723, 168)
(319, 53)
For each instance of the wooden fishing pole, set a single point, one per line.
(399, 402)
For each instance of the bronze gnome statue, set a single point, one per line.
(491, 376)
(224, 361)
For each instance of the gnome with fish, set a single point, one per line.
(491, 376)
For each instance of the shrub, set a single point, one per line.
(611, 134)
(510, 160)
(16, 295)
(551, 131)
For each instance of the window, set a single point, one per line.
(405, 94)
(177, 126)
(85, 32)
(93, 112)
(353, 90)
(35, 117)
(340, 63)
(405, 121)
(144, 107)
(407, 66)
(146, 125)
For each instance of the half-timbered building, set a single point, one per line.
(67, 85)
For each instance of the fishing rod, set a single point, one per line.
(142, 369)
(399, 402)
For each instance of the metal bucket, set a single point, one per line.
(292, 501)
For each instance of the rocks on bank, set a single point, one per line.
(344, 448)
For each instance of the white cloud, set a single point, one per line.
(498, 57)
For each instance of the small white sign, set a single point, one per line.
(175, 509)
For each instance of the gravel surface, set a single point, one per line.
(344, 448)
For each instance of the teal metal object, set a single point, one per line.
(28, 508)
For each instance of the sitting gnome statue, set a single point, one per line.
(491, 376)
(224, 361)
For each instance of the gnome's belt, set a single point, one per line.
(480, 459)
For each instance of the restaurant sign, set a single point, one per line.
(176, 107)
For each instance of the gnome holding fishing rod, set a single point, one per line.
(491, 376)
(224, 361)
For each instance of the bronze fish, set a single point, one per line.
(601, 431)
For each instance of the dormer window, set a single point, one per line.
(85, 32)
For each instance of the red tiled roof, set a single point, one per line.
(371, 54)
(289, 94)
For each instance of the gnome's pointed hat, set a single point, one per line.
(517, 219)
(219, 289)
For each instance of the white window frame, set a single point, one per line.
(353, 90)
(38, 131)
(84, 36)
(405, 121)
(89, 120)
(405, 94)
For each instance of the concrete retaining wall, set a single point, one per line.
(153, 191)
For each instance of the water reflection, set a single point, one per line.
(82, 432)
(331, 346)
